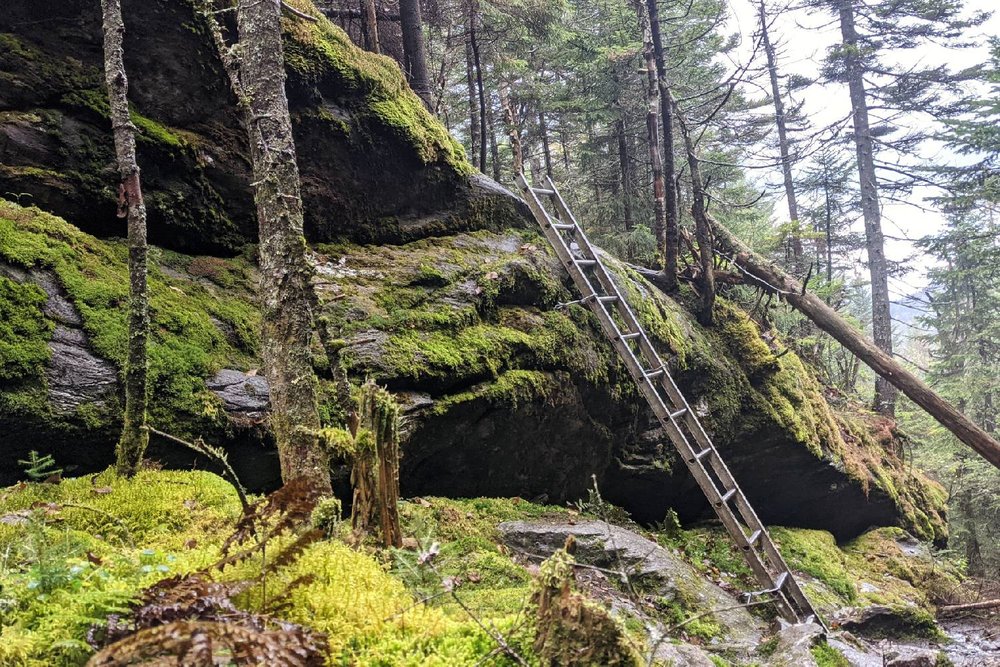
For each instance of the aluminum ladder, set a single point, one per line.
(675, 415)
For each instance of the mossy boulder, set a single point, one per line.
(505, 393)
(358, 128)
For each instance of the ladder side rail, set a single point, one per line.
(607, 282)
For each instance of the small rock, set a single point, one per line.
(682, 654)
(911, 656)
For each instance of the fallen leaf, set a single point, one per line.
(492, 275)
(252, 372)
(191, 504)
(410, 543)
(18, 518)
(191, 544)
(103, 490)
(93, 558)
(473, 577)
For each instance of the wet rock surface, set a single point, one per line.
(645, 563)
(794, 644)
(243, 395)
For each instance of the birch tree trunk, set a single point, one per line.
(285, 290)
(134, 437)
(885, 394)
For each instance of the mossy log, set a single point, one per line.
(771, 278)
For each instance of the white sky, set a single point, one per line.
(803, 41)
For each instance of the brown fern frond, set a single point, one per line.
(207, 643)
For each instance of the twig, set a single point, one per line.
(971, 606)
(121, 523)
(294, 12)
(714, 611)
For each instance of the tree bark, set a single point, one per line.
(653, 130)
(671, 213)
(885, 394)
(769, 277)
(481, 90)
(370, 26)
(543, 131)
(626, 173)
(415, 54)
(494, 149)
(517, 155)
(134, 436)
(702, 227)
(474, 108)
(285, 289)
(781, 121)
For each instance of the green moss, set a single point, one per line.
(186, 344)
(24, 331)
(827, 656)
(815, 552)
(84, 549)
(321, 53)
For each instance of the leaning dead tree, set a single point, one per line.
(257, 76)
(770, 278)
(134, 437)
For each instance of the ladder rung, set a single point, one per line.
(679, 413)
(702, 454)
(654, 373)
(562, 226)
(543, 191)
(725, 498)
(610, 298)
(752, 540)
(630, 336)
(780, 583)
(584, 262)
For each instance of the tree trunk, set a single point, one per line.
(626, 174)
(494, 149)
(702, 227)
(134, 437)
(286, 304)
(885, 395)
(769, 277)
(783, 148)
(543, 131)
(671, 212)
(474, 108)
(370, 26)
(414, 51)
(478, 65)
(652, 130)
(517, 155)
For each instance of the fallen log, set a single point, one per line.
(765, 275)
(970, 606)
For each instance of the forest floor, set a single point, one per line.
(78, 558)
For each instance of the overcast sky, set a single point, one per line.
(804, 39)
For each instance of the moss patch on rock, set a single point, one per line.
(197, 328)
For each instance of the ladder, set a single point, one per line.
(672, 410)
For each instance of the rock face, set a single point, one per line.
(358, 130)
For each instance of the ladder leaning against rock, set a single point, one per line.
(678, 420)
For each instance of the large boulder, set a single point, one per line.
(358, 128)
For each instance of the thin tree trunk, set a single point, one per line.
(134, 437)
(494, 149)
(285, 290)
(885, 395)
(370, 26)
(782, 122)
(653, 130)
(474, 107)
(702, 227)
(671, 212)
(769, 277)
(626, 174)
(543, 131)
(481, 90)
(517, 155)
(414, 51)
